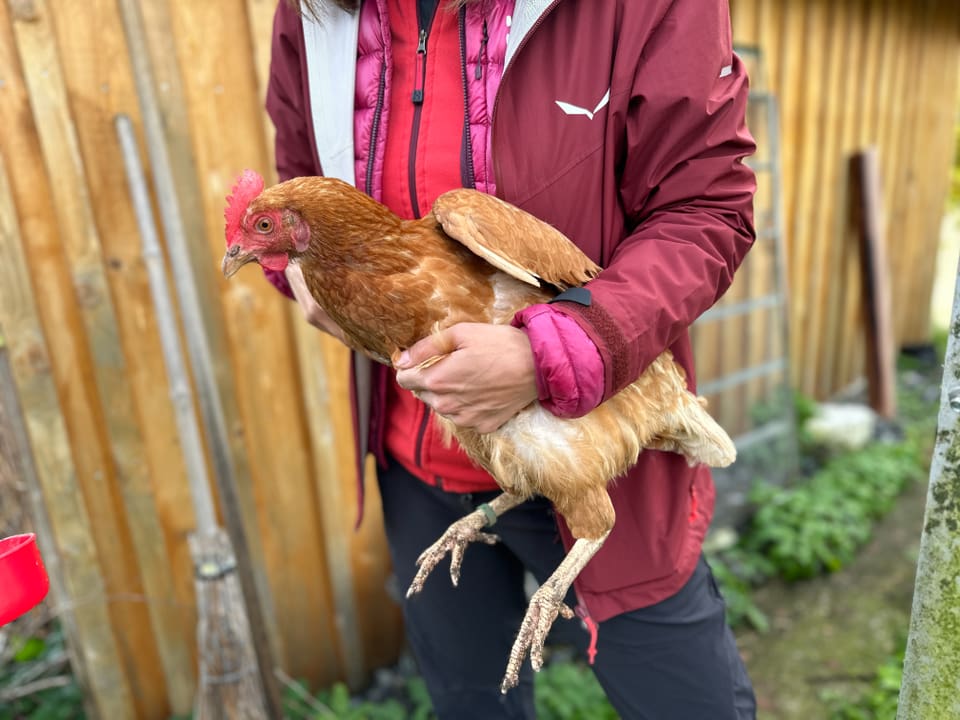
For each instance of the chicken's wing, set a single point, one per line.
(512, 240)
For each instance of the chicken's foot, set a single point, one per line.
(546, 603)
(455, 540)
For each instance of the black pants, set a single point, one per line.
(676, 660)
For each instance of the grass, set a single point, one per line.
(879, 701)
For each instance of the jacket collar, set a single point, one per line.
(331, 52)
(525, 15)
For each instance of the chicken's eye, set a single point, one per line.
(264, 225)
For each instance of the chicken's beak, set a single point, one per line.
(234, 259)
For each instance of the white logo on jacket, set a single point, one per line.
(571, 109)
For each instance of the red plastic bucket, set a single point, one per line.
(23, 578)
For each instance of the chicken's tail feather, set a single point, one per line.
(696, 435)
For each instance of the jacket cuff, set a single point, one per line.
(602, 330)
(570, 374)
(279, 281)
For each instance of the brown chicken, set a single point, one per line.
(388, 283)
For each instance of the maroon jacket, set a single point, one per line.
(622, 124)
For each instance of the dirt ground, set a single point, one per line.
(833, 633)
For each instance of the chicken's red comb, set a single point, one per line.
(247, 187)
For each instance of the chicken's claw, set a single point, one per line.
(546, 603)
(454, 541)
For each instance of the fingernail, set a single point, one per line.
(404, 360)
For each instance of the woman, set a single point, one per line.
(622, 124)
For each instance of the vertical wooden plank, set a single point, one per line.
(893, 126)
(335, 486)
(889, 109)
(903, 127)
(876, 65)
(934, 163)
(120, 481)
(378, 616)
(835, 340)
(763, 325)
(172, 100)
(742, 17)
(286, 500)
(149, 467)
(25, 212)
(908, 147)
(787, 86)
(825, 88)
(768, 37)
(872, 17)
(707, 343)
(811, 70)
(736, 330)
(260, 22)
(382, 624)
(18, 468)
(258, 330)
(892, 89)
(930, 163)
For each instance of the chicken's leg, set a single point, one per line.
(455, 540)
(546, 603)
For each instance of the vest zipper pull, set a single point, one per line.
(483, 49)
(421, 68)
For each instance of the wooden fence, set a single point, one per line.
(76, 312)
(850, 74)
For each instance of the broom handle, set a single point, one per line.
(212, 413)
(177, 376)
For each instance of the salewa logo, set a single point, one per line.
(571, 109)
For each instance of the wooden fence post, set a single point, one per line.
(867, 202)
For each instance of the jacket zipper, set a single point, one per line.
(375, 128)
(506, 71)
(467, 174)
(419, 80)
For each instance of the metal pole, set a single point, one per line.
(931, 669)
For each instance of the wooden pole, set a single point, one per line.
(931, 669)
(867, 200)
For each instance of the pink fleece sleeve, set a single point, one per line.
(570, 377)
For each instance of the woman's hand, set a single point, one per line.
(485, 374)
(312, 312)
